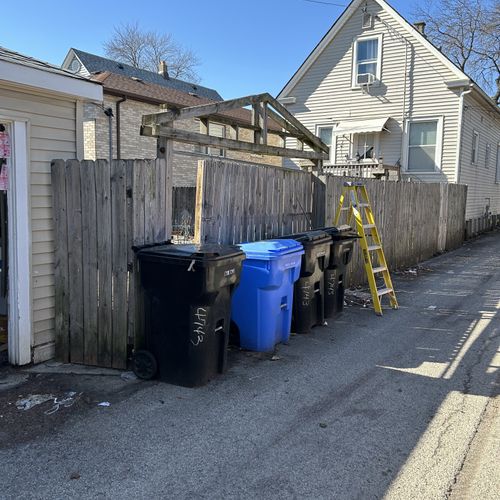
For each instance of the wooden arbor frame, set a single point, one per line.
(264, 108)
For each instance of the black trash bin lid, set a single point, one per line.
(313, 236)
(341, 232)
(208, 252)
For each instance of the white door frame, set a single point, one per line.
(19, 247)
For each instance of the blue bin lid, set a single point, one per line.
(270, 249)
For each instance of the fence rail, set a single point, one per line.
(100, 212)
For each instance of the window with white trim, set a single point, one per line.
(497, 176)
(367, 60)
(475, 147)
(423, 145)
(325, 133)
(365, 147)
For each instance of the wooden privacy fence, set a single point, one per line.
(416, 220)
(239, 203)
(100, 212)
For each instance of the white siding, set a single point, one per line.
(324, 93)
(52, 134)
(480, 179)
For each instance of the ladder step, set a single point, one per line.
(368, 226)
(363, 204)
(384, 291)
(372, 248)
(379, 269)
(344, 208)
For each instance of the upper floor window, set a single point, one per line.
(475, 147)
(367, 60)
(424, 145)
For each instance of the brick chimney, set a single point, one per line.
(163, 70)
(420, 25)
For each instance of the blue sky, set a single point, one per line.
(246, 46)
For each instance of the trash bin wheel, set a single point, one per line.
(145, 366)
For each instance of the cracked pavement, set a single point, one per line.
(405, 406)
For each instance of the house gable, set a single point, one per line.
(355, 8)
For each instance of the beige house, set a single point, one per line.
(41, 110)
(379, 93)
(113, 128)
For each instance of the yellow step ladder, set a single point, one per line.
(357, 206)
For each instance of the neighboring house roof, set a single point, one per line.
(120, 85)
(25, 70)
(94, 63)
(17, 58)
(464, 79)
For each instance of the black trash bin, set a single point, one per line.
(187, 311)
(308, 302)
(342, 239)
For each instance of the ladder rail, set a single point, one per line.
(356, 195)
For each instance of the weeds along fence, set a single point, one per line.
(100, 211)
(240, 203)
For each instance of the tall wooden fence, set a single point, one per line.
(415, 220)
(239, 203)
(100, 212)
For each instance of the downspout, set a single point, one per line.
(109, 113)
(118, 126)
(458, 163)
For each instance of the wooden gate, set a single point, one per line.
(100, 212)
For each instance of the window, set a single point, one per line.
(365, 147)
(475, 146)
(218, 131)
(423, 145)
(325, 133)
(487, 154)
(497, 176)
(367, 64)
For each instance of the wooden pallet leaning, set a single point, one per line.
(355, 197)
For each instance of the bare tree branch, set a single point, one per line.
(146, 49)
(468, 32)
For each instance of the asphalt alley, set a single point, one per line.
(402, 406)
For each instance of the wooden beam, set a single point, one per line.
(288, 116)
(224, 143)
(201, 110)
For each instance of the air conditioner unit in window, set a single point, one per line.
(365, 79)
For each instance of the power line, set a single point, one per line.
(326, 3)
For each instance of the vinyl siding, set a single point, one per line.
(52, 134)
(480, 179)
(324, 94)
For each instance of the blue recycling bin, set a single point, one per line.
(261, 306)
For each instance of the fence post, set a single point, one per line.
(318, 202)
(443, 217)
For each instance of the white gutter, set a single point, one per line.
(459, 132)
